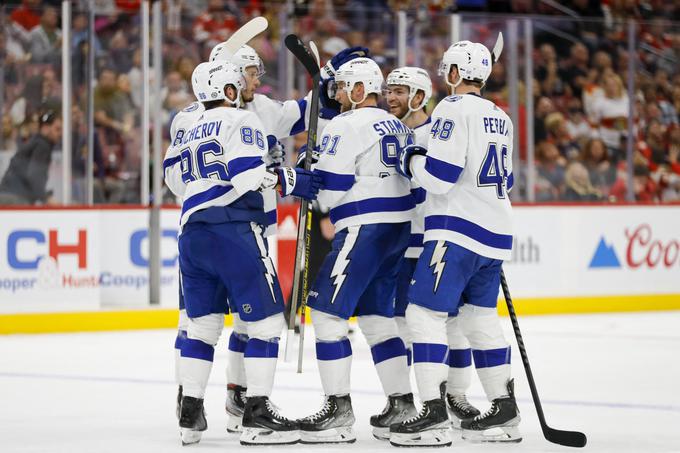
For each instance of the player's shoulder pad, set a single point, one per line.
(191, 107)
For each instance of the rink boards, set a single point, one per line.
(87, 269)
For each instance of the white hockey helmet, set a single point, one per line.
(209, 79)
(362, 70)
(472, 59)
(415, 79)
(246, 57)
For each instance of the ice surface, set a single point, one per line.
(615, 377)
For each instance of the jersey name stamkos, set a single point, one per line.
(467, 174)
(358, 157)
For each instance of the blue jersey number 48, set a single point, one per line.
(494, 170)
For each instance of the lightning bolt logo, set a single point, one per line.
(437, 262)
(342, 261)
(269, 272)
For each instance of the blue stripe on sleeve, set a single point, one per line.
(237, 342)
(371, 205)
(460, 358)
(442, 170)
(261, 349)
(469, 229)
(430, 353)
(335, 181)
(388, 349)
(416, 240)
(241, 164)
(170, 162)
(491, 357)
(271, 217)
(333, 350)
(299, 125)
(196, 349)
(511, 181)
(203, 197)
(418, 195)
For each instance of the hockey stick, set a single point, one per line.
(301, 272)
(244, 34)
(497, 48)
(556, 436)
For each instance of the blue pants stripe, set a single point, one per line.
(388, 349)
(237, 342)
(261, 349)
(491, 357)
(430, 352)
(460, 358)
(333, 350)
(196, 349)
(181, 337)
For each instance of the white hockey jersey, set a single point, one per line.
(358, 156)
(280, 119)
(180, 124)
(467, 174)
(415, 245)
(222, 164)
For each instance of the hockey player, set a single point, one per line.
(280, 120)
(223, 253)
(370, 206)
(408, 91)
(466, 172)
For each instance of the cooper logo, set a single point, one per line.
(247, 308)
(643, 248)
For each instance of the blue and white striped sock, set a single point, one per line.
(260, 364)
(195, 366)
(493, 368)
(335, 362)
(391, 364)
(430, 363)
(236, 372)
(460, 370)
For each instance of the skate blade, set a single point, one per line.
(455, 421)
(501, 434)
(381, 433)
(342, 435)
(190, 436)
(235, 424)
(264, 436)
(439, 437)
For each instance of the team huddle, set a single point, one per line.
(423, 223)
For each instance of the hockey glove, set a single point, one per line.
(299, 182)
(302, 155)
(404, 162)
(276, 154)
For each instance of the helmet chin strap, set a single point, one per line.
(453, 85)
(349, 95)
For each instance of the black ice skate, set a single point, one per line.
(498, 424)
(459, 409)
(236, 402)
(398, 409)
(192, 420)
(430, 428)
(179, 401)
(263, 425)
(331, 425)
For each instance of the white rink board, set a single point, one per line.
(554, 255)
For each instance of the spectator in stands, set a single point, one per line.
(549, 172)
(610, 110)
(27, 16)
(577, 124)
(217, 23)
(601, 172)
(653, 147)
(544, 107)
(577, 184)
(120, 53)
(644, 187)
(546, 71)
(558, 133)
(40, 93)
(574, 71)
(26, 178)
(185, 66)
(45, 39)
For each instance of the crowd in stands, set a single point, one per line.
(580, 87)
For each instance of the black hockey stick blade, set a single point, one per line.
(567, 438)
(556, 436)
(297, 48)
